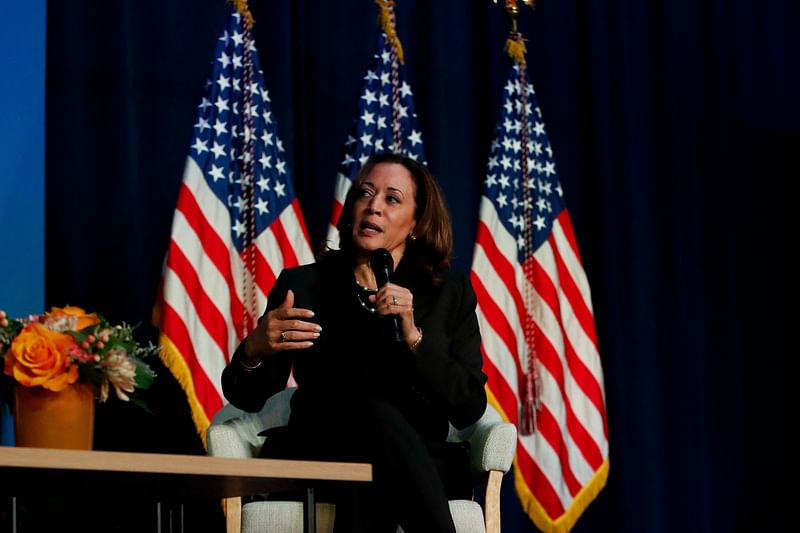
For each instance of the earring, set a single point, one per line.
(412, 237)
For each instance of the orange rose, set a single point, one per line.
(38, 356)
(84, 319)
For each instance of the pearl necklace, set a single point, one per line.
(360, 289)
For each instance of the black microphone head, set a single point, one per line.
(382, 265)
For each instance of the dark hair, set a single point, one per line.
(431, 249)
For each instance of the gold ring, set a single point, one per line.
(283, 336)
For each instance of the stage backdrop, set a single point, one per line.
(672, 124)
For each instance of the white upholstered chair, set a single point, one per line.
(234, 433)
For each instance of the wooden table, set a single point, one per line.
(168, 477)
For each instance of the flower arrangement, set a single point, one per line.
(67, 345)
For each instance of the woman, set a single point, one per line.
(362, 395)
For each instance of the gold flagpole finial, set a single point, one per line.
(244, 10)
(515, 44)
(386, 18)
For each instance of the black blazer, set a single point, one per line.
(442, 382)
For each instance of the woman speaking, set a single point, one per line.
(383, 341)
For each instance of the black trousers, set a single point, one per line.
(413, 476)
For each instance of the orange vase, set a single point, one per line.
(47, 419)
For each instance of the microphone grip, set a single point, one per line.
(397, 332)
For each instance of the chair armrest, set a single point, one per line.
(223, 440)
(493, 444)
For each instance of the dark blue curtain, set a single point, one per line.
(675, 129)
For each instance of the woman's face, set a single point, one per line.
(383, 213)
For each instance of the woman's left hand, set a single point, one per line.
(393, 299)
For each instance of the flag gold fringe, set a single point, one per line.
(386, 17)
(244, 10)
(515, 48)
(176, 364)
(531, 505)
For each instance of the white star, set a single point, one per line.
(264, 160)
(224, 59)
(379, 145)
(279, 145)
(492, 162)
(509, 106)
(238, 38)
(415, 138)
(200, 146)
(261, 205)
(216, 173)
(204, 104)
(386, 56)
(239, 204)
(504, 181)
(539, 222)
(558, 190)
(266, 138)
(381, 122)
(520, 242)
(220, 128)
(238, 228)
(383, 99)
(505, 162)
(370, 76)
(202, 124)
(368, 118)
(223, 82)
(544, 186)
(279, 186)
(549, 168)
(263, 184)
(538, 128)
(541, 204)
(366, 139)
(218, 150)
(348, 159)
(501, 200)
(369, 96)
(405, 89)
(510, 87)
(237, 61)
(402, 111)
(363, 158)
(490, 181)
(221, 104)
(280, 166)
(507, 144)
(384, 78)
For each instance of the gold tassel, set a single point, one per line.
(515, 47)
(243, 9)
(386, 18)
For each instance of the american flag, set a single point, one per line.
(536, 319)
(236, 225)
(386, 122)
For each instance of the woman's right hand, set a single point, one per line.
(283, 328)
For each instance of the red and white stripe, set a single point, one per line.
(343, 185)
(203, 306)
(570, 444)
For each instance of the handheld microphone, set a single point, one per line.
(382, 266)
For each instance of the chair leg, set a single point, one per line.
(491, 511)
(233, 514)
